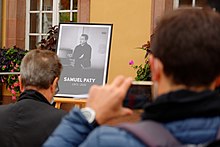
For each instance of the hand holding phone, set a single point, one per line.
(138, 95)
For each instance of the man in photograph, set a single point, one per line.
(82, 53)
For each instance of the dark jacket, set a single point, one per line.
(82, 56)
(191, 117)
(28, 122)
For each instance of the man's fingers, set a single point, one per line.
(126, 111)
(127, 83)
(125, 86)
(93, 91)
(118, 81)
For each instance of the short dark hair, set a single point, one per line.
(187, 42)
(86, 36)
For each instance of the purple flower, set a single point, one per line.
(131, 62)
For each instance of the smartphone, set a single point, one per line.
(138, 95)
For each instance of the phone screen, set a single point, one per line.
(138, 95)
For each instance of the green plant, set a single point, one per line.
(10, 62)
(50, 42)
(143, 70)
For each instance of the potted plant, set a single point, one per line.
(11, 59)
(50, 42)
(139, 93)
(143, 70)
(10, 63)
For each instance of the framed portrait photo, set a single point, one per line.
(84, 50)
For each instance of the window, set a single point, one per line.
(160, 8)
(193, 3)
(41, 14)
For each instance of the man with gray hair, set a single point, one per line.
(30, 120)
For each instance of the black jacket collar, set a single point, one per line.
(33, 95)
(183, 104)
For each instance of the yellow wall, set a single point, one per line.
(131, 21)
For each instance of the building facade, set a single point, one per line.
(25, 22)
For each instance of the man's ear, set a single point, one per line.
(54, 85)
(20, 84)
(156, 68)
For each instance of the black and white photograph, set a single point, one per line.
(84, 51)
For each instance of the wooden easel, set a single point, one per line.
(77, 102)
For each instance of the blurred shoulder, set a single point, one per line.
(112, 136)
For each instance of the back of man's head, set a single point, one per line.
(39, 68)
(187, 42)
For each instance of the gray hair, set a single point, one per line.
(39, 68)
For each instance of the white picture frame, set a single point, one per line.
(84, 50)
